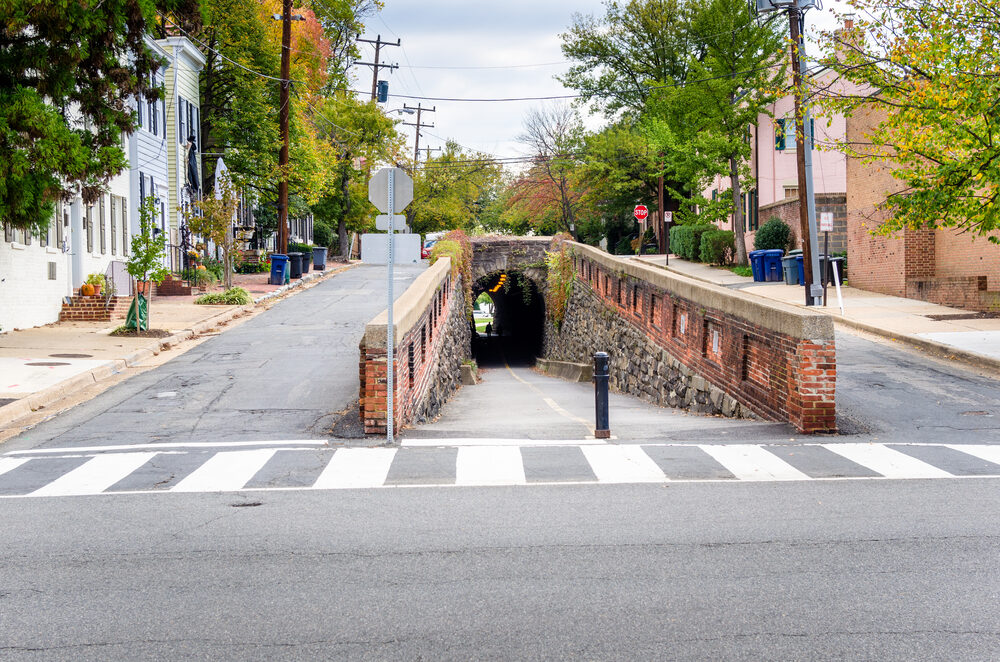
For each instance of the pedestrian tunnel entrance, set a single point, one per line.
(517, 322)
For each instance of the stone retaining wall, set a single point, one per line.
(431, 340)
(680, 342)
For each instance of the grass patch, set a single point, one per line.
(741, 271)
(236, 296)
(481, 323)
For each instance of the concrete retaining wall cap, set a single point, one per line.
(409, 307)
(789, 320)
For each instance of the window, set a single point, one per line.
(138, 110)
(784, 134)
(62, 220)
(142, 187)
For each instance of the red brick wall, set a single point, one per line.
(94, 309)
(775, 375)
(943, 266)
(788, 211)
(411, 379)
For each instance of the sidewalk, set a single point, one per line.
(953, 332)
(42, 365)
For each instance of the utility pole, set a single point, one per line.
(428, 150)
(416, 141)
(376, 65)
(286, 60)
(803, 158)
(803, 144)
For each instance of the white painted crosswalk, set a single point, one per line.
(308, 465)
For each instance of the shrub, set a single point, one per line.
(322, 234)
(772, 235)
(717, 247)
(685, 240)
(215, 268)
(458, 247)
(236, 296)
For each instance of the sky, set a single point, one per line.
(481, 50)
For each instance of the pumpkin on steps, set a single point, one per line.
(87, 290)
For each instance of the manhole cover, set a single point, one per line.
(45, 364)
(71, 356)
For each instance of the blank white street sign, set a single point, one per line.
(378, 190)
(382, 222)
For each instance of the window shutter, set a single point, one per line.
(181, 123)
(124, 226)
(114, 224)
(138, 109)
(197, 130)
(779, 135)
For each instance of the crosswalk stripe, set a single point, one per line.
(9, 463)
(887, 461)
(749, 462)
(95, 475)
(489, 465)
(356, 467)
(622, 464)
(225, 471)
(988, 453)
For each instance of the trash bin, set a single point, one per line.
(790, 267)
(319, 258)
(279, 269)
(307, 260)
(802, 268)
(757, 265)
(295, 260)
(839, 277)
(772, 265)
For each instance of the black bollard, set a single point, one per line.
(601, 375)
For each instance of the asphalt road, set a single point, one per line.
(846, 569)
(281, 375)
(900, 570)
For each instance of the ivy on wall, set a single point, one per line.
(561, 276)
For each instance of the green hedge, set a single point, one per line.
(685, 240)
(717, 247)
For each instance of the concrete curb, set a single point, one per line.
(22, 407)
(574, 372)
(310, 277)
(950, 352)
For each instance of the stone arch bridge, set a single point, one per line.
(673, 340)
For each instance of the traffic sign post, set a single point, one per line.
(668, 219)
(391, 189)
(641, 213)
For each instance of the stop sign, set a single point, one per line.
(640, 212)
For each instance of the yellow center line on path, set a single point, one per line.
(549, 401)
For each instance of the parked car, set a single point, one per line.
(425, 252)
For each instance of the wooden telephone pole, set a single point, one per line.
(376, 65)
(416, 141)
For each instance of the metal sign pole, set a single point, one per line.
(390, 327)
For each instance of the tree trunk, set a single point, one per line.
(738, 220)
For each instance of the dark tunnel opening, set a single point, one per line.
(518, 324)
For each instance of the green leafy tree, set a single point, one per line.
(68, 71)
(924, 74)
(739, 72)
(213, 219)
(453, 190)
(145, 262)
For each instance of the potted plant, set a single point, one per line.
(98, 282)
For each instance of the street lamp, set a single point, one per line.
(286, 17)
(807, 215)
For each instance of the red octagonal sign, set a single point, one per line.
(641, 212)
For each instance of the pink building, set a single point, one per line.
(773, 167)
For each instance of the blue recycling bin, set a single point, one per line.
(279, 269)
(802, 268)
(757, 265)
(772, 265)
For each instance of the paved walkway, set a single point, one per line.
(950, 331)
(42, 365)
